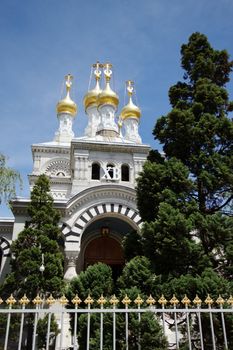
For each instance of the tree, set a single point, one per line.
(8, 180)
(41, 237)
(189, 191)
(185, 196)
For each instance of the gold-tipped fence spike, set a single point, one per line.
(63, 300)
(150, 300)
(50, 300)
(76, 300)
(230, 301)
(138, 301)
(11, 300)
(126, 301)
(209, 301)
(186, 301)
(24, 300)
(220, 301)
(1, 301)
(162, 300)
(197, 301)
(174, 301)
(88, 301)
(101, 301)
(114, 301)
(37, 300)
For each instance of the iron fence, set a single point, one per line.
(185, 324)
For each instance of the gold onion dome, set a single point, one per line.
(130, 110)
(108, 96)
(91, 98)
(66, 105)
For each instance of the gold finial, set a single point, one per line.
(114, 301)
(88, 301)
(91, 97)
(66, 105)
(63, 301)
(24, 300)
(209, 301)
(50, 300)
(126, 301)
(197, 301)
(138, 301)
(162, 301)
(97, 71)
(174, 301)
(37, 300)
(220, 301)
(130, 110)
(101, 301)
(150, 301)
(186, 301)
(68, 79)
(230, 301)
(107, 71)
(11, 300)
(130, 87)
(76, 300)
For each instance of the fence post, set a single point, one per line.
(10, 301)
(23, 301)
(197, 301)
(114, 301)
(76, 301)
(138, 301)
(126, 301)
(88, 301)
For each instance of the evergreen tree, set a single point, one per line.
(41, 237)
(186, 196)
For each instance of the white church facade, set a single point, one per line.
(92, 177)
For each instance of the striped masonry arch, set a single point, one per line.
(5, 246)
(89, 214)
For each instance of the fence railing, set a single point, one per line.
(196, 324)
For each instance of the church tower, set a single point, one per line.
(92, 177)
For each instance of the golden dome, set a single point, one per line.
(130, 110)
(91, 98)
(108, 96)
(66, 105)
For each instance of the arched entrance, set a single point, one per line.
(106, 250)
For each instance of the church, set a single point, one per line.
(92, 177)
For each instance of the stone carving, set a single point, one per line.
(60, 168)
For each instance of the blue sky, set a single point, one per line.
(42, 40)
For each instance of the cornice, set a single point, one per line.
(46, 148)
(109, 147)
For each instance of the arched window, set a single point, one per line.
(124, 172)
(95, 171)
(110, 169)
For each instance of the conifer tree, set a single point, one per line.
(39, 242)
(186, 196)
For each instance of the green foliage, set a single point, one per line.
(148, 329)
(9, 178)
(137, 273)
(185, 198)
(96, 280)
(41, 235)
(42, 327)
(132, 245)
